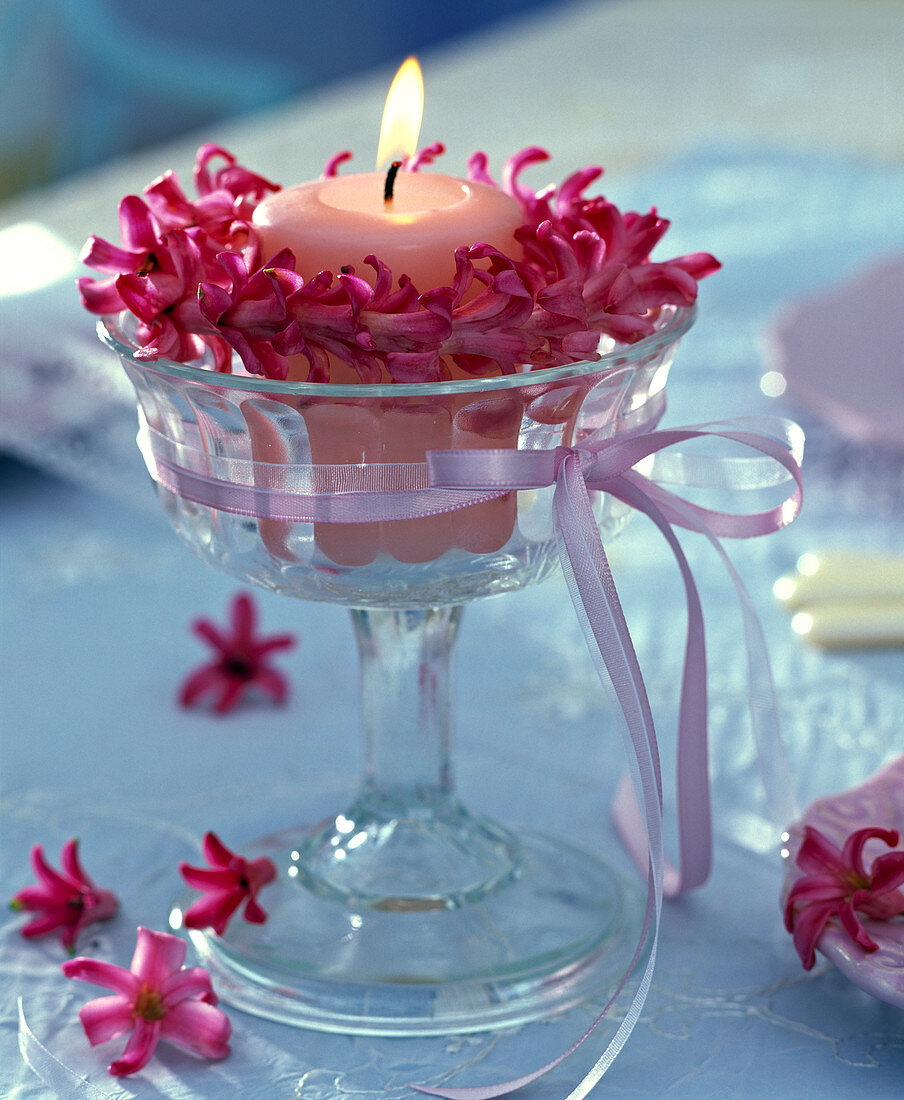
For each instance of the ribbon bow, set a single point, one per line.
(611, 466)
(635, 469)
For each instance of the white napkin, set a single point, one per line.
(66, 405)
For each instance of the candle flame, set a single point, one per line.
(402, 115)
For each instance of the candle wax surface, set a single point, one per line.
(412, 194)
(334, 223)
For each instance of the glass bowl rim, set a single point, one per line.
(624, 355)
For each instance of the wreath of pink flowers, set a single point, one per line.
(192, 273)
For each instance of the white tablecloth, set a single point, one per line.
(771, 135)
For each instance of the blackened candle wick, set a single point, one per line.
(390, 180)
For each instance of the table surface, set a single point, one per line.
(772, 135)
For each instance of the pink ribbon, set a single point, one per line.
(455, 479)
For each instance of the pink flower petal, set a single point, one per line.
(331, 166)
(106, 1018)
(215, 851)
(103, 256)
(168, 201)
(37, 897)
(242, 616)
(70, 863)
(662, 284)
(100, 296)
(105, 974)
(808, 926)
(214, 301)
(206, 630)
(572, 188)
(697, 264)
(188, 982)
(887, 872)
(424, 156)
(56, 885)
(199, 1027)
(222, 353)
(852, 853)
(142, 296)
(819, 888)
(515, 165)
(882, 906)
(47, 922)
(203, 878)
(156, 955)
(851, 924)
(260, 871)
(136, 225)
(231, 692)
(139, 1049)
(272, 683)
(214, 910)
(68, 933)
(818, 854)
(253, 913)
(274, 643)
(198, 684)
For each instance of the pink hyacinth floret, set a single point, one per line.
(240, 662)
(229, 881)
(156, 998)
(192, 272)
(170, 245)
(66, 900)
(837, 884)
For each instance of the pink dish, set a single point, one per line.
(878, 801)
(839, 354)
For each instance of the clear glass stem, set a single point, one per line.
(406, 706)
(405, 914)
(406, 843)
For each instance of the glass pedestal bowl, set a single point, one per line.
(404, 913)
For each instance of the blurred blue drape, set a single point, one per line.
(84, 80)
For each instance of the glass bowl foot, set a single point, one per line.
(558, 929)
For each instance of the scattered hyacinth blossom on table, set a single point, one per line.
(66, 900)
(229, 880)
(240, 661)
(192, 272)
(157, 998)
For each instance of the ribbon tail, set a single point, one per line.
(593, 593)
(56, 1075)
(692, 765)
(491, 1092)
(772, 758)
(598, 608)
